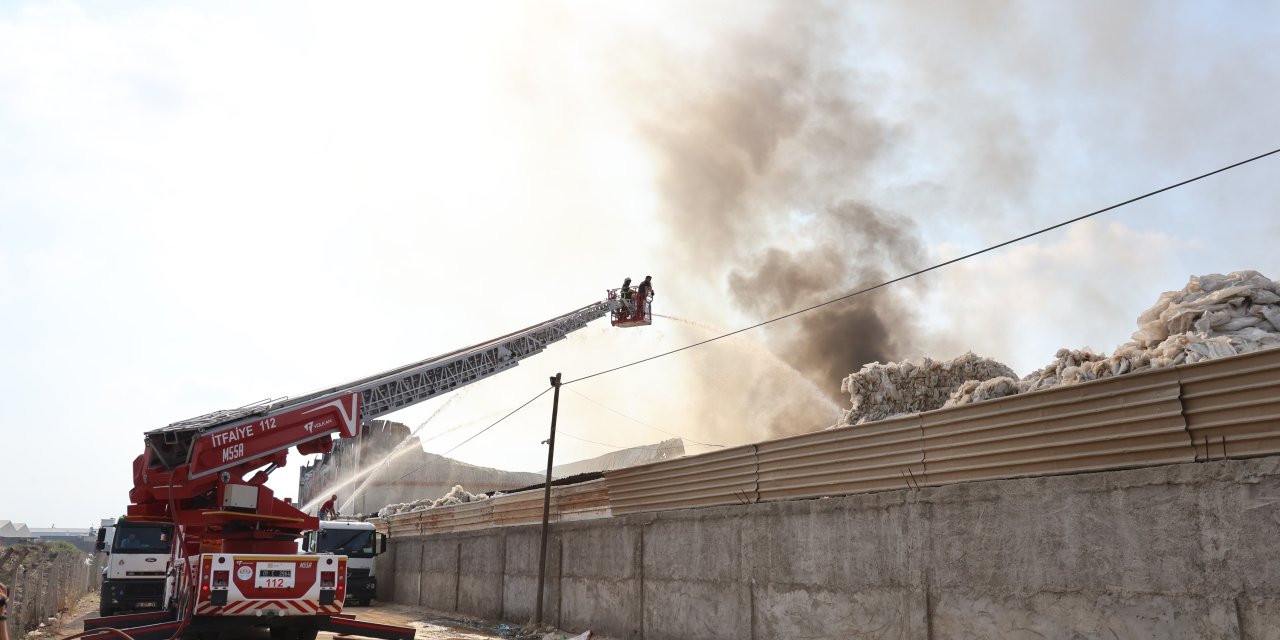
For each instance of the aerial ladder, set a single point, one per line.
(234, 560)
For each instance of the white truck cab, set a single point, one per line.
(136, 567)
(360, 544)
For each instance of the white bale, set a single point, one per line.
(1213, 316)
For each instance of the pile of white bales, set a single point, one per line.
(456, 495)
(879, 391)
(1214, 316)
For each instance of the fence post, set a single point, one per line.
(51, 599)
(17, 594)
(46, 588)
(51, 591)
(33, 601)
(14, 593)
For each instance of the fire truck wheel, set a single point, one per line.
(308, 634)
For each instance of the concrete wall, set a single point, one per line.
(1183, 551)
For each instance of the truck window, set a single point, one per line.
(345, 542)
(141, 539)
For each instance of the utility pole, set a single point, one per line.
(546, 496)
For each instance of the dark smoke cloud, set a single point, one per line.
(793, 146)
(763, 146)
(858, 246)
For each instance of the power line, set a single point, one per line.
(562, 432)
(513, 412)
(640, 422)
(476, 434)
(932, 268)
(866, 290)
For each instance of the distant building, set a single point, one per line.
(634, 456)
(386, 465)
(82, 538)
(404, 472)
(13, 531)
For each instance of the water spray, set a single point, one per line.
(772, 358)
(396, 452)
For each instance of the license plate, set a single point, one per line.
(147, 605)
(274, 575)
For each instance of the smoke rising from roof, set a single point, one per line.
(762, 145)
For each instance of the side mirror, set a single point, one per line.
(101, 544)
(382, 543)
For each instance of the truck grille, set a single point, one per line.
(135, 590)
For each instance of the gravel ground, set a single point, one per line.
(430, 625)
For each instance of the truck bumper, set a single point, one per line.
(361, 588)
(133, 595)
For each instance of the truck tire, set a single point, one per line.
(104, 603)
(365, 602)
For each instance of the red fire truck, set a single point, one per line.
(235, 561)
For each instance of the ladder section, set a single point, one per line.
(405, 386)
(422, 381)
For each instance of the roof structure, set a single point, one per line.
(58, 532)
(10, 529)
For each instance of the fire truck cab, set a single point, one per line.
(137, 561)
(360, 544)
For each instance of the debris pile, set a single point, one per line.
(882, 390)
(456, 495)
(1214, 316)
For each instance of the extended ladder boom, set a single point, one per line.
(234, 557)
(378, 394)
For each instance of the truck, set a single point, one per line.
(360, 543)
(234, 561)
(136, 565)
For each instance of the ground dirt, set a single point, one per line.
(436, 625)
(430, 625)
(71, 621)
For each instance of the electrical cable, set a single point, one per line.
(640, 422)
(476, 434)
(562, 432)
(860, 292)
(396, 449)
(513, 412)
(931, 268)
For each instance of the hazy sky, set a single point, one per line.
(207, 204)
